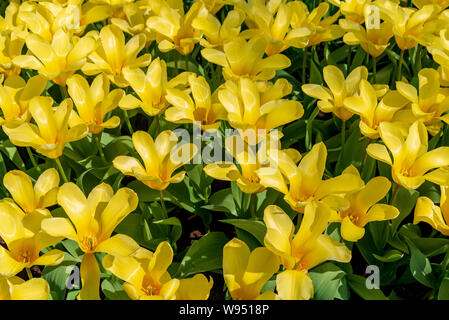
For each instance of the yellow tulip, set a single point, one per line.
(146, 276)
(410, 162)
(439, 48)
(426, 211)
(305, 180)
(430, 103)
(15, 95)
(93, 102)
(246, 178)
(113, 55)
(215, 33)
(10, 47)
(51, 133)
(173, 27)
(245, 58)
(373, 40)
(408, 23)
(364, 209)
(443, 4)
(45, 18)
(372, 112)
(332, 99)
(29, 198)
(353, 10)
(25, 240)
(303, 251)
(15, 288)
(91, 224)
(134, 20)
(59, 59)
(213, 6)
(246, 272)
(151, 88)
(272, 20)
(161, 157)
(256, 108)
(317, 29)
(204, 107)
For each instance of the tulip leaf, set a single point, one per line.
(254, 227)
(358, 284)
(390, 255)
(420, 266)
(176, 230)
(113, 290)
(205, 254)
(328, 282)
(222, 201)
(405, 202)
(443, 291)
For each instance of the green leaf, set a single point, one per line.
(405, 202)
(443, 291)
(205, 254)
(391, 255)
(327, 281)
(113, 290)
(420, 266)
(358, 284)
(177, 227)
(254, 227)
(222, 201)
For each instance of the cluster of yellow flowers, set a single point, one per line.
(63, 47)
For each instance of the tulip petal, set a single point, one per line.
(351, 232)
(379, 152)
(8, 265)
(235, 260)
(59, 227)
(90, 278)
(34, 289)
(294, 285)
(51, 258)
(118, 245)
(19, 185)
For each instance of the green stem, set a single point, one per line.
(445, 262)
(374, 70)
(163, 204)
(304, 60)
(186, 59)
(128, 123)
(343, 132)
(395, 193)
(29, 274)
(401, 60)
(348, 61)
(100, 148)
(61, 170)
(253, 205)
(418, 59)
(64, 93)
(33, 160)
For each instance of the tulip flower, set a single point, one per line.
(439, 48)
(411, 162)
(29, 198)
(303, 251)
(46, 18)
(151, 88)
(364, 208)
(313, 26)
(443, 4)
(113, 55)
(426, 211)
(332, 99)
(245, 58)
(408, 23)
(59, 59)
(353, 10)
(272, 21)
(373, 40)
(15, 95)
(215, 33)
(146, 276)
(25, 240)
(247, 178)
(430, 103)
(203, 108)
(173, 26)
(213, 6)
(51, 133)
(91, 224)
(161, 157)
(372, 112)
(134, 20)
(15, 288)
(11, 45)
(93, 102)
(246, 272)
(305, 180)
(255, 110)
